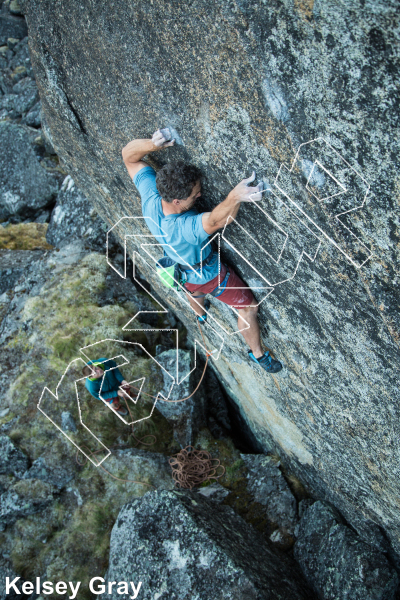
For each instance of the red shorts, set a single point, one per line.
(238, 298)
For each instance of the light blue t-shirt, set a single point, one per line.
(182, 235)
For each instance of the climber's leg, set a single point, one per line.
(238, 295)
(194, 303)
(249, 328)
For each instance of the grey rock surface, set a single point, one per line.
(215, 492)
(268, 486)
(68, 422)
(181, 546)
(6, 570)
(304, 505)
(25, 271)
(187, 417)
(25, 186)
(20, 58)
(26, 95)
(12, 459)
(74, 218)
(6, 481)
(337, 563)
(13, 265)
(51, 471)
(11, 27)
(23, 499)
(142, 465)
(34, 117)
(256, 81)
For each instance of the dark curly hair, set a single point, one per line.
(177, 180)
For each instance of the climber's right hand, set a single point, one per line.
(243, 192)
(161, 139)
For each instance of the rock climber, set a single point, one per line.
(168, 205)
(105, 382)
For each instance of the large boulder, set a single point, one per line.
(270, 489)
(51, 470)
(179, 545)
(24, 498)
(25, 186)
(337, 563)
(187, 417)
(74, 218)
(13, 265)
(245, 84)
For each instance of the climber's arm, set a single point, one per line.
(217, 218)
(133, 152)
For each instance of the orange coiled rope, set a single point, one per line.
(191, 467)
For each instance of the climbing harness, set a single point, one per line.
(173, 274)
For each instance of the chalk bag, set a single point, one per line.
(168, 272)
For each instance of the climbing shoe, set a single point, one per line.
(203, 318)
(266, 362)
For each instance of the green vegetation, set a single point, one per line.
(24, 236)
(70, 540)
(76, 552)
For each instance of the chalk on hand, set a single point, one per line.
(166, 134)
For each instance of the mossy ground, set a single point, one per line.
(75, 549)
(69, 541)
(24, 236)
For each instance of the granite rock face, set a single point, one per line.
(13, 265)
(257, 80)
(184, 546)
(26, 187)
(23, 499)
(186, 417)
(325, 545)
(269, 488)
(74, 218)
(12, 459)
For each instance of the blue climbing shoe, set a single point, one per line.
(203, 318)
(266, 362)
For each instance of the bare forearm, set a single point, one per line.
(229, 207)
(214, 220)
(137, 149)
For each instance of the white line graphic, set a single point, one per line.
(299, 218)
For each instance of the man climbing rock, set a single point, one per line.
(168, 200)
(104, 380)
